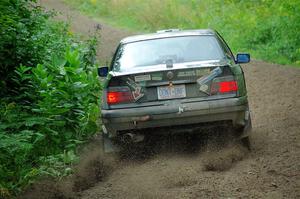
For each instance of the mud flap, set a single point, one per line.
(245, 135)
(247, 129)
(109, 146)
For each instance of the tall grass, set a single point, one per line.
(269, 29)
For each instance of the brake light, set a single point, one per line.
(116, 97)
(224, 87)
(228, 86)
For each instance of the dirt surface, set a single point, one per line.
(205, 169)
(84, 25)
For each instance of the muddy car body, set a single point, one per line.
(173, 80)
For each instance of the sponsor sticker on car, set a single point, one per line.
(140, 78)
(186, 73)
(157, 76)
(201, 72)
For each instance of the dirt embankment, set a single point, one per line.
(203, 170)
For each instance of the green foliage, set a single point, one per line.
(27, 37)
(56, 111)
(266, 28)
(49, 102)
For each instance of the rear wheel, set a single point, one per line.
(244, 132)
(246, 142)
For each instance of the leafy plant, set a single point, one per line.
(57, 108)
(50, 95)
(28, 37)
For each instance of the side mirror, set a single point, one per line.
(242, 58)
(103, 71)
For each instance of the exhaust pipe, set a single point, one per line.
(131, 137)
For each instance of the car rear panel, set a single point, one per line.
(192, 83)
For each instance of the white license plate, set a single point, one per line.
(171, 92)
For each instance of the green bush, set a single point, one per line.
(28, 37)
(56, 111)
(49, 92)
(269, 29)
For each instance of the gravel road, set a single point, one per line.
(270, 170)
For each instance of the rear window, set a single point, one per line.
(159, 51)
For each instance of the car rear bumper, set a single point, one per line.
(231, 109)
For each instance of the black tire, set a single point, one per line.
(246, 142)
(244, 133)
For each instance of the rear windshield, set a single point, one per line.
(159, 51)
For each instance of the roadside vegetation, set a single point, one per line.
(268, 29)
(49, 95)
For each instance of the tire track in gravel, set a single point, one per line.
(271, 170)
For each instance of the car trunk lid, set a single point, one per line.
(172, 84)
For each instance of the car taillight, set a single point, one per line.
(227, 86)
(121, 96)
(223, 87)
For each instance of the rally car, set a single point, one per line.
(180, 80)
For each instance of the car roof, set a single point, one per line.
(166, 34)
